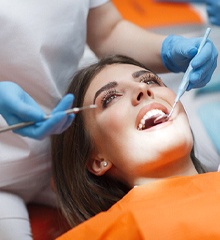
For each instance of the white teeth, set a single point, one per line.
(148, 115)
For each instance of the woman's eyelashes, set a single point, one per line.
(109, 96)
(150, 78)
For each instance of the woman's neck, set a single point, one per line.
(182, 167)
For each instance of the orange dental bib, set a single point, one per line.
(178, 208)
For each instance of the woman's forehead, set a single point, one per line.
(115, 72)
(118, 69)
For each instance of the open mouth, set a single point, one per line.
(148, 119)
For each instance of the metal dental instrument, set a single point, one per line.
(184, 83)
(25, 124)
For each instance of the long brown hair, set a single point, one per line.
(80, 193)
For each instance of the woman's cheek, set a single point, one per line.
(165, 94)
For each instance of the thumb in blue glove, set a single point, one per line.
(17, 106)
(177, 52)
(56, 124)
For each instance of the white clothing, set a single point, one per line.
(41, 44)
(14, 219)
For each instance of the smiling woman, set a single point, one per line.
(109, 150)
(116, 146)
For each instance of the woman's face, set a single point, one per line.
(121, 126)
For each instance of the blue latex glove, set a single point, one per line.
(213, 11)
(17, 106)
(177, 52)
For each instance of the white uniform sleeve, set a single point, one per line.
(14, 219)
(96, 3)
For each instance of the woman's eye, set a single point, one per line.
(109, 96)
(151, 79)
(149, 82)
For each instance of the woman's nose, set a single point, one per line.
(141, 93)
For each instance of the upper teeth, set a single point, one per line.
(149, 115)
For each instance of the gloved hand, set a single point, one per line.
(177, 52)
(17, 106)
(213, 11)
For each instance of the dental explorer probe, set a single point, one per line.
(185, 81)
(25, 124)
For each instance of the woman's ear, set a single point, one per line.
(99, 166)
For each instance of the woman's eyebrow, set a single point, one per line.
(104, 88)
(139, 73)
(114, 84)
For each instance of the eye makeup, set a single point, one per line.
(151, 78)
(106, 87)
(110, 95)
(109, 91)
(148, 77)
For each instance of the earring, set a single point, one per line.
(105, 164)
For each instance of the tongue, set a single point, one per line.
(150, 121)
